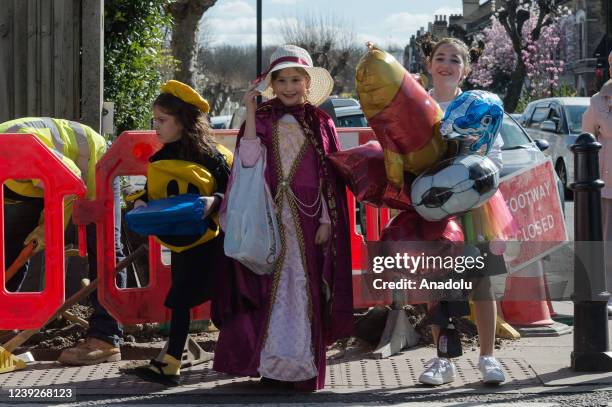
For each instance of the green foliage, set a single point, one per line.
(525, 99)
(562, 90)
(134, 34)
(349, 95)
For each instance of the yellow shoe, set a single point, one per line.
(166, 372)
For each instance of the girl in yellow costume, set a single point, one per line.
(190, 161)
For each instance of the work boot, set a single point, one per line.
(90, 352)
(166, 372)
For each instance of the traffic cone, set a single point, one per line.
(525, 304)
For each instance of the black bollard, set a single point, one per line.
(591, 347)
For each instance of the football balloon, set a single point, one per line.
(454, 186)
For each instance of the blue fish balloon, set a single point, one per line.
(474, 113)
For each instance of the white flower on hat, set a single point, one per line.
(292, 56)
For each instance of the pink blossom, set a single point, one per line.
(543, 58)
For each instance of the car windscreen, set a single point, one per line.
(352, 121)
(574, 118)
(344, 102)
(513, 135)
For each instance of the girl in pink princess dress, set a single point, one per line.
(277, 326)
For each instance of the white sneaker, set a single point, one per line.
(609, 307)
(439, 371)
(491, 370)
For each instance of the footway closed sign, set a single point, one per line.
(533, 199)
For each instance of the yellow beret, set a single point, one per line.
(186, 93)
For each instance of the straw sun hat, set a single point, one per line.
(291, 56)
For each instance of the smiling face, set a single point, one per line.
(290, 86)
(448, 66)
(166, 126)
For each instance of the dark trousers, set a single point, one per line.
(21, 218)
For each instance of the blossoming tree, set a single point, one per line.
(522, 48)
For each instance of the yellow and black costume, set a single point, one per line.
(169, 174)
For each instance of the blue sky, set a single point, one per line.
(386, 22)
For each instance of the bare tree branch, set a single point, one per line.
(328, 41)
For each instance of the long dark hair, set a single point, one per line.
(196, 141)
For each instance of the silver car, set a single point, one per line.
(558, 121)
(520, 151)
(345, 112)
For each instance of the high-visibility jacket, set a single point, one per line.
(77, 145)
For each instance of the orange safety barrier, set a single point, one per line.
(23, 156)
(128, 155)
(364, 295)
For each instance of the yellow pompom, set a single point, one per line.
(186, 93)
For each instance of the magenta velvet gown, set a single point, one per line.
(278, 326)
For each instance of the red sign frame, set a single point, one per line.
(533, 199)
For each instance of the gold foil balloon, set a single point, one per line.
(405, 119)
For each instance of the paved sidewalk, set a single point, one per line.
(531, 365)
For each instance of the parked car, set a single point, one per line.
(220, 122)
(517, 116)
(345, 112)
(558, 121)
(520, 150)
(350, 116)
(344, 102)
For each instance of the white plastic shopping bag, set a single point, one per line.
(251, 228)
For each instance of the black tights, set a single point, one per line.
(179, 329)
